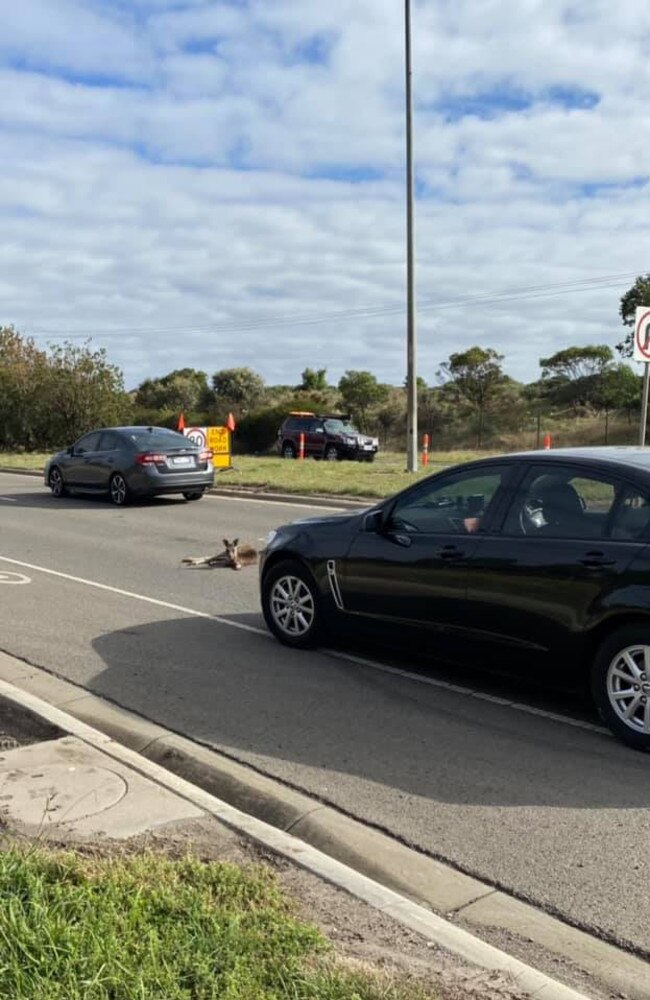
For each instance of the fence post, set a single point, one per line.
(425, 450)
(301, 447)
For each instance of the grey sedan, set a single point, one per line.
(130, 462)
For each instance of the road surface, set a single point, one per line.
(557, 813)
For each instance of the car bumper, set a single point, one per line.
(149, 482)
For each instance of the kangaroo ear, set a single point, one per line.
(226, 543)
(236, 541)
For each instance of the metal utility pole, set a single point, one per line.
(411, 340)
(644, 405)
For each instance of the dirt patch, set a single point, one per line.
(19, 727)
(362, 937)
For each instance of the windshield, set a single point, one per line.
(339, 427)
(159, 439)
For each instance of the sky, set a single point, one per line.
(214, 184)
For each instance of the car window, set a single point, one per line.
(107, 442)
(632, 518)
(158, 439)
(87, 443)
(453, 504)
(562, 502)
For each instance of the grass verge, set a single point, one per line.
(378, 479)
(146, 927)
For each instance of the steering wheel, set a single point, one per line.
(531, 516)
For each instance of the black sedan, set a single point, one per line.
(130, 462)
(538, 559)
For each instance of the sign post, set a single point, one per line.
(642, 353)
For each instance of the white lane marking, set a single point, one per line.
(333, 653)
(13, 577)
(8, 499)
(137, 597)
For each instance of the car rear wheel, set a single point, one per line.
(288, 450)
(56, 484)
(193, 496)
(620, 684)
(291, 605)
(331, 453)
(119, 491)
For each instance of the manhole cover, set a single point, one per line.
(59, 793)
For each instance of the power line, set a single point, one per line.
(372, 312)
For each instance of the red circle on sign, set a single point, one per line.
(645, 351)
(196, 436)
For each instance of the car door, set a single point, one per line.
(413, 568)
(100, 464)
(534, 586)
(78, 467)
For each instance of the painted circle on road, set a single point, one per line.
(13, 577)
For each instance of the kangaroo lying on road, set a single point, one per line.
(234, 556)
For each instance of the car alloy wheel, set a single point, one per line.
(628, 687)
(118, 489)
(57, 486)
(291, 605)
(331, 454)
(193, 496)
(288, 451)
(620, 684)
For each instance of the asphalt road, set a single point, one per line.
(557, 813)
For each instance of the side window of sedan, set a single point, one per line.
(87, 443)
(631, 520)
(456, 504)
(562, 502)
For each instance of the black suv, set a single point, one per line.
(329, 437)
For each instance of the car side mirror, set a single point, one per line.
(374, 521)
(70, 450)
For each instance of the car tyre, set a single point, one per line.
(56, 483)
(620, 681)
(331, 453)
(118, 490)
(196, 495)
(292, 606)
(288, 450)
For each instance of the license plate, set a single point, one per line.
(183, 460)
(367, 447)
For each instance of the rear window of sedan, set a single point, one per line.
(158, 440)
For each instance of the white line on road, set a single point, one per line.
(334, 653)
(8, 499)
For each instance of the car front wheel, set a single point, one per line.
(56, 484)
(291, 605)
(331, 453)
(119, 491)
(620, 684)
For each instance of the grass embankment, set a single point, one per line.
(149, 928)
(380, 478)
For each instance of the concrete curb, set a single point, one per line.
(241, 493)
(399, 868)
(434, 928)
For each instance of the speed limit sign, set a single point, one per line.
(197, 435)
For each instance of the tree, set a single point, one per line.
(360, 391)
(637, 295)
(22, 371)
(314, 380)
(477, 377)
(573, 375)
(240, 386)
(619, 390)
(184, 389)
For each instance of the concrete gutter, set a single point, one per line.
(382, 871)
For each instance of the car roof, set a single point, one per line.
(630, 457)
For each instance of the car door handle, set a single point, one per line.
(594, 560)
(451, 552)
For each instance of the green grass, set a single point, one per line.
(24, 459)
(149, 928)
(380, 478)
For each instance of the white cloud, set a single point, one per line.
(194, 183)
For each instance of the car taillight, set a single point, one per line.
(149, 458)
(205, 455)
